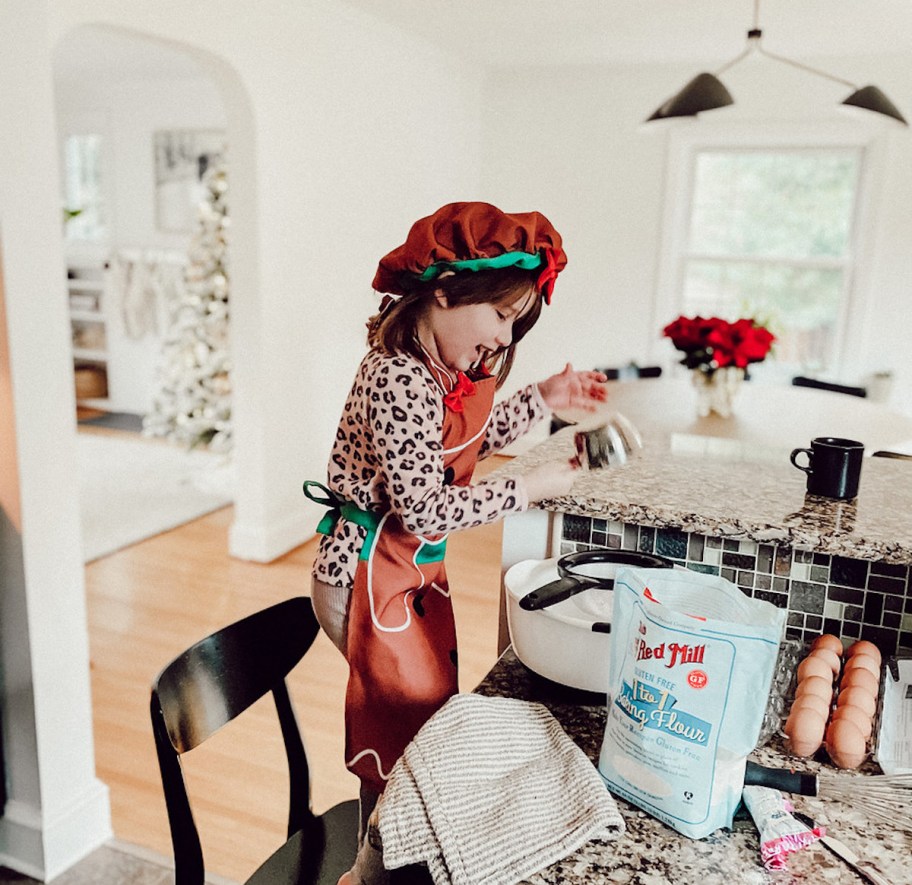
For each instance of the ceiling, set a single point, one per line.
(589, 31)
(544, 32)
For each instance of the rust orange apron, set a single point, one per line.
(401, 632)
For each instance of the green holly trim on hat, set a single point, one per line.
(524, 260)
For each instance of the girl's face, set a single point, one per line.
(461, 335)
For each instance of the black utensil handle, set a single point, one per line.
(801, 782)
(553, 593)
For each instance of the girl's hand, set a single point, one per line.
(549, 480)
(574, 390)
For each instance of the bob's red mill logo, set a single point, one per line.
(673, 654)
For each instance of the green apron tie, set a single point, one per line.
(367, 519)
(339, 507)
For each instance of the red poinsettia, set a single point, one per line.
(711, 343)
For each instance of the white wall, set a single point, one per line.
(56, 811)
(569, 144)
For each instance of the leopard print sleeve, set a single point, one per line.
(512, 418)
(406, 429)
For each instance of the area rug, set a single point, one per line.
(126, 421)
(133, 488)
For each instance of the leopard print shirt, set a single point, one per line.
(388, 455)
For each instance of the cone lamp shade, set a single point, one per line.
(704, 93)
(870, 98)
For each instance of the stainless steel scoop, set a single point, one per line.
(606, 442)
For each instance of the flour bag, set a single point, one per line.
(691, 664)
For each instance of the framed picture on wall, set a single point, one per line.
(182, 157)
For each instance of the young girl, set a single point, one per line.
(461, 292)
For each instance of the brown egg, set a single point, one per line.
(828, 655)
(828, 640)
(805, 729)
(845, 744)
(863, 661)
(817, 704)
(817, 686)
(857, 697)
(855, 715)
(862, 678)
(866, 648)
(813, 666)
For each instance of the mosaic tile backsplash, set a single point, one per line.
(851, 598)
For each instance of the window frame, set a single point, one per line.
(684, 144)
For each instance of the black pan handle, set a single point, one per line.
(569, 562)
(555, 592)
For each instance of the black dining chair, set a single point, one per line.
(212, 683)
(884, 453)
(851, 390)
(629, 372)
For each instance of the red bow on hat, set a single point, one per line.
(549, 272)
(463, 387)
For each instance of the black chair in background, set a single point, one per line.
(850, 390)
(209, 685)
(629, 372)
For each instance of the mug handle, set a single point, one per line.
(794, 459)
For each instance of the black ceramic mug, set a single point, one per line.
(833, 466)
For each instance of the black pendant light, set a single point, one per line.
(706, 92)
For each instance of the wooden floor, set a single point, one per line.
(149, 602)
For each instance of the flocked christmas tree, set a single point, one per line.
(193, 402)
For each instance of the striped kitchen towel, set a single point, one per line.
(490, 791)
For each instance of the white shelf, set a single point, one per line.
(95, 356)
(75, 285)
(87, 316)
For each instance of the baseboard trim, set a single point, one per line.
(260, 543)
(43, 847)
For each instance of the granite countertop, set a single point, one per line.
(650, 853)
(728, 489)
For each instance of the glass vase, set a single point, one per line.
(716, 390)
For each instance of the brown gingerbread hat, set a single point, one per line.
(474, 237)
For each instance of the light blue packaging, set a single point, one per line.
(692, 660)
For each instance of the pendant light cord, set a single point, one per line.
(754, 36)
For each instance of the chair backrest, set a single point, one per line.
(630, 371)
(802, 381)
(211, 683)
(899, 456)
(623, 373)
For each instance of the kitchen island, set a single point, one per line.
(719, 495)
(650, 853)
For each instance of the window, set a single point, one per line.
(769, 230)
(84, 207)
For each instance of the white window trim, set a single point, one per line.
(683, 144)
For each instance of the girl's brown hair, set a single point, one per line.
(394, 330)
